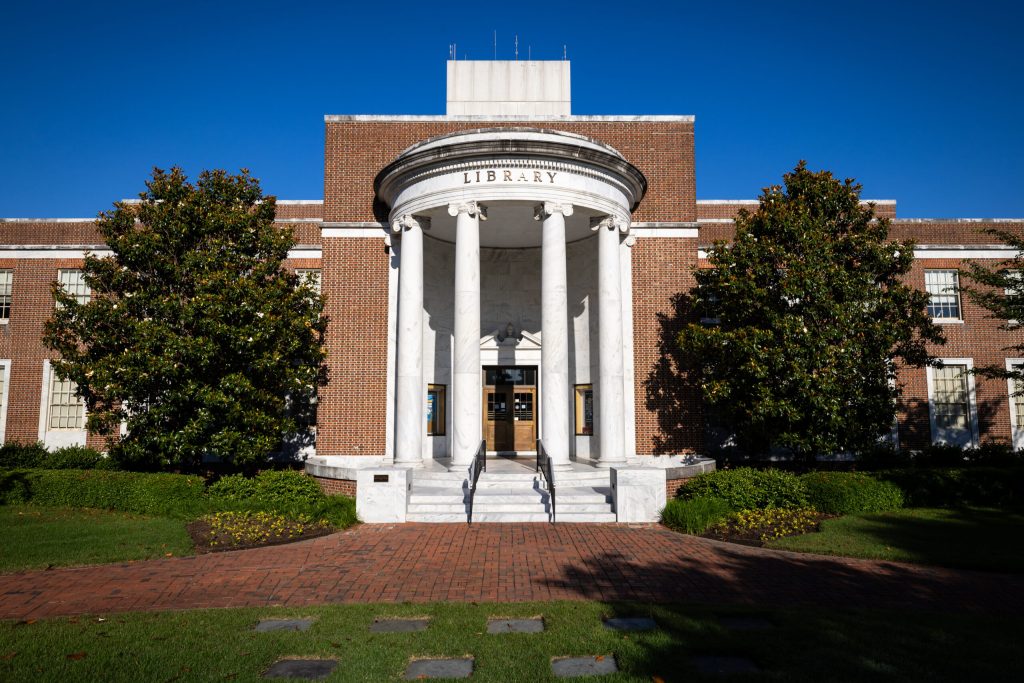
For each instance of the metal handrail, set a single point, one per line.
(544, 467)
(478, 465)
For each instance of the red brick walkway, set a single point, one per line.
(502, 562)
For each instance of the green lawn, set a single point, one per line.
(804, 645)
(968, 538)
(39, 537)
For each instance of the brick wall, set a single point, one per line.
(351, 411)
(337, 487)
(357, 150)
(977, 337)
(669, 418)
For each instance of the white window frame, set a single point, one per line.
(6, 319)
(79, 296)
(959, 299)
(302, 273)
(972, 402)
(1014, 291)
(56, 438)
(5, 368)
(1016, 433)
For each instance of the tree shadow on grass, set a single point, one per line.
(833, 619)
(966, 538)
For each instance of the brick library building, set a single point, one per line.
(496, 280)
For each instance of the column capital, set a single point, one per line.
(542, 211)
(473, 208)
(409, 221)
(609, 222)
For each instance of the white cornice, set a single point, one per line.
(337, 118)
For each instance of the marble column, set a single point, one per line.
(610, 425)
(467, 417)
(410, 394)
(554, 333)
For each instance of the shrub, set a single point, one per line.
(745, 488)
(77, 458)
(695, 515)
(767, 525)
(284, 490)
(169, 495)
(848, 493)
(15, 454)
(952, 487)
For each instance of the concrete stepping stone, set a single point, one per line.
(570, 667)
(268, 625)
(439, 668)
(631, 624)
(399, 625)
(710, 664)
(745, 623)
(515, 625)
(308, 669)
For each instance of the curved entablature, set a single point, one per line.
(511, 171)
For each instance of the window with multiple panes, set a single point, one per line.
(73, 282)
(311, 275)
(951, 402)
(943, 287)
(584, 409)
(435, 409)
(1018, 396)
(6, 284)
(67, 411)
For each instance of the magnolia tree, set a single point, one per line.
(813, 317)
(1002, 294)
(196, 339)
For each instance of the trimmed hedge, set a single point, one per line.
(848, 493)
(272, 489)
(1000, 487)
(175, 495)
(695, 515)
(17, 455)
(745, 488)
(167, 495)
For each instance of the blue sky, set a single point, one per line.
(919, 101)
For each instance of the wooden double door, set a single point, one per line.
(510, 408)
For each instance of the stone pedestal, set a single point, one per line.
(638, 493)
(382, 494)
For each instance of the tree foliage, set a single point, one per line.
(814, 316)
(195, 336)
(1001, 293)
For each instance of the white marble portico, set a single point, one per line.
(513, 197)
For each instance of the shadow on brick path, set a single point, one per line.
(504, 563)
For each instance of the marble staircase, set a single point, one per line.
(511, 493)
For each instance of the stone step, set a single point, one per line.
(584, 517)
(561, 507)
(430, 475)
(415, 508)
(437, 517)
(498, 517)
(517, 506)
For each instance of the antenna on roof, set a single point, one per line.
(495, 43)
(565, 53)
(517, 47)
(529, 53)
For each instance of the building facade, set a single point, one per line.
(505, 274)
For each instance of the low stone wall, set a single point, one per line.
(337, 487)
(677, 477)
